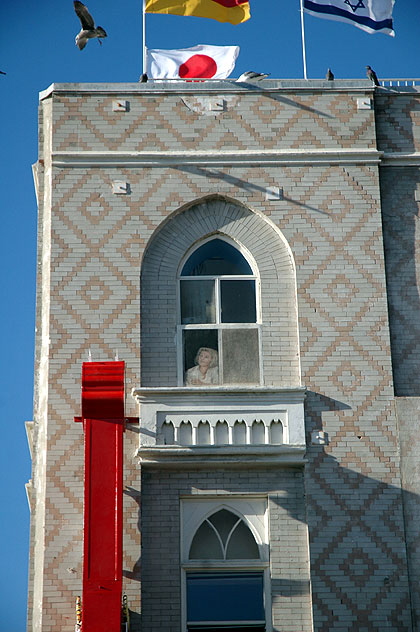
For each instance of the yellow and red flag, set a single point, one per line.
(233, 11)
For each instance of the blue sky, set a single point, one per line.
(37, 48)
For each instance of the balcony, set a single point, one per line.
(221, 425)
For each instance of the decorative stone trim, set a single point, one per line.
(228, 424)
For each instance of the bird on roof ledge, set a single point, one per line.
(250, 75)
(371, 74)
(330, 75)
(88, 30)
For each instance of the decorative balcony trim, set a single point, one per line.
(221, 425)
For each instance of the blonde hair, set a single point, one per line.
(214, 357)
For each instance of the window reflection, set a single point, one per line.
(216, 257)
(197, 302)
(238, 301)
(228, 597)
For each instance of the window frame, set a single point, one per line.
(262, 564)
(218, 325)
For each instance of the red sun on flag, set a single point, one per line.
(198, 66)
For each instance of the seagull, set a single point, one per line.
(330, 75)
(143, 78)
(88, 26)
(250, 75)
(372, 75)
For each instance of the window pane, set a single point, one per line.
(205, 544)
(224, 521)
(197, 302)
(216, 257)
(225, 597)
(238, 301)
(201, 360)
(240, 356)
(242, 544)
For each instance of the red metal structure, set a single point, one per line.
(103, 425)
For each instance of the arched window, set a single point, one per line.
(230, 597)
(218, 315)
(224, 536)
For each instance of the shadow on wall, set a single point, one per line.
(400, 216)
(400, 186)
(358, 539)
(246, 185)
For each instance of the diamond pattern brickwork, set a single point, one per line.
(398, 121)
(269, 121)
(330, 216)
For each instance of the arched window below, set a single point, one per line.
(231, 597)
(224, 536)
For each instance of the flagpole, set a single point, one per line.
(302, 26)
(144, 65)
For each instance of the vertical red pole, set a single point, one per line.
(103, 423)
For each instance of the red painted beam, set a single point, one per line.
(103, 424)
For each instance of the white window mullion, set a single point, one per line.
(217, 300)
(220, 345)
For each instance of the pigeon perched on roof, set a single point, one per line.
(250, 75)
(371, 74)
(88, 30)
(143, 78)
(330, 75)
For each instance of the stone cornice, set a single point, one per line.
(401, 159)
(198, 395)
(209, 86)
(118, 159)
(247, 457)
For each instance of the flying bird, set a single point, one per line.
(371, 74)
(330, 75)
(250, 75)
(88, 30)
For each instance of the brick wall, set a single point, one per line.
(172, 149)
(161, 577)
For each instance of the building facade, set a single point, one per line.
(251, 254)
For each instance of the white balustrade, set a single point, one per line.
(231, 429)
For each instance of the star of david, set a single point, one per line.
(354, 7)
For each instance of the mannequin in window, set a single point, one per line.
(206, 369)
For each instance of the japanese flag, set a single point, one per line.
(199, 62)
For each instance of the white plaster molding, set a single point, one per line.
(190, 406)
(211, 86)
(401, 159)
(207, 457)
(122, 159)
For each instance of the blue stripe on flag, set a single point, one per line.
(335, 11)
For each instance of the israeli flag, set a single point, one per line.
(373, 16)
